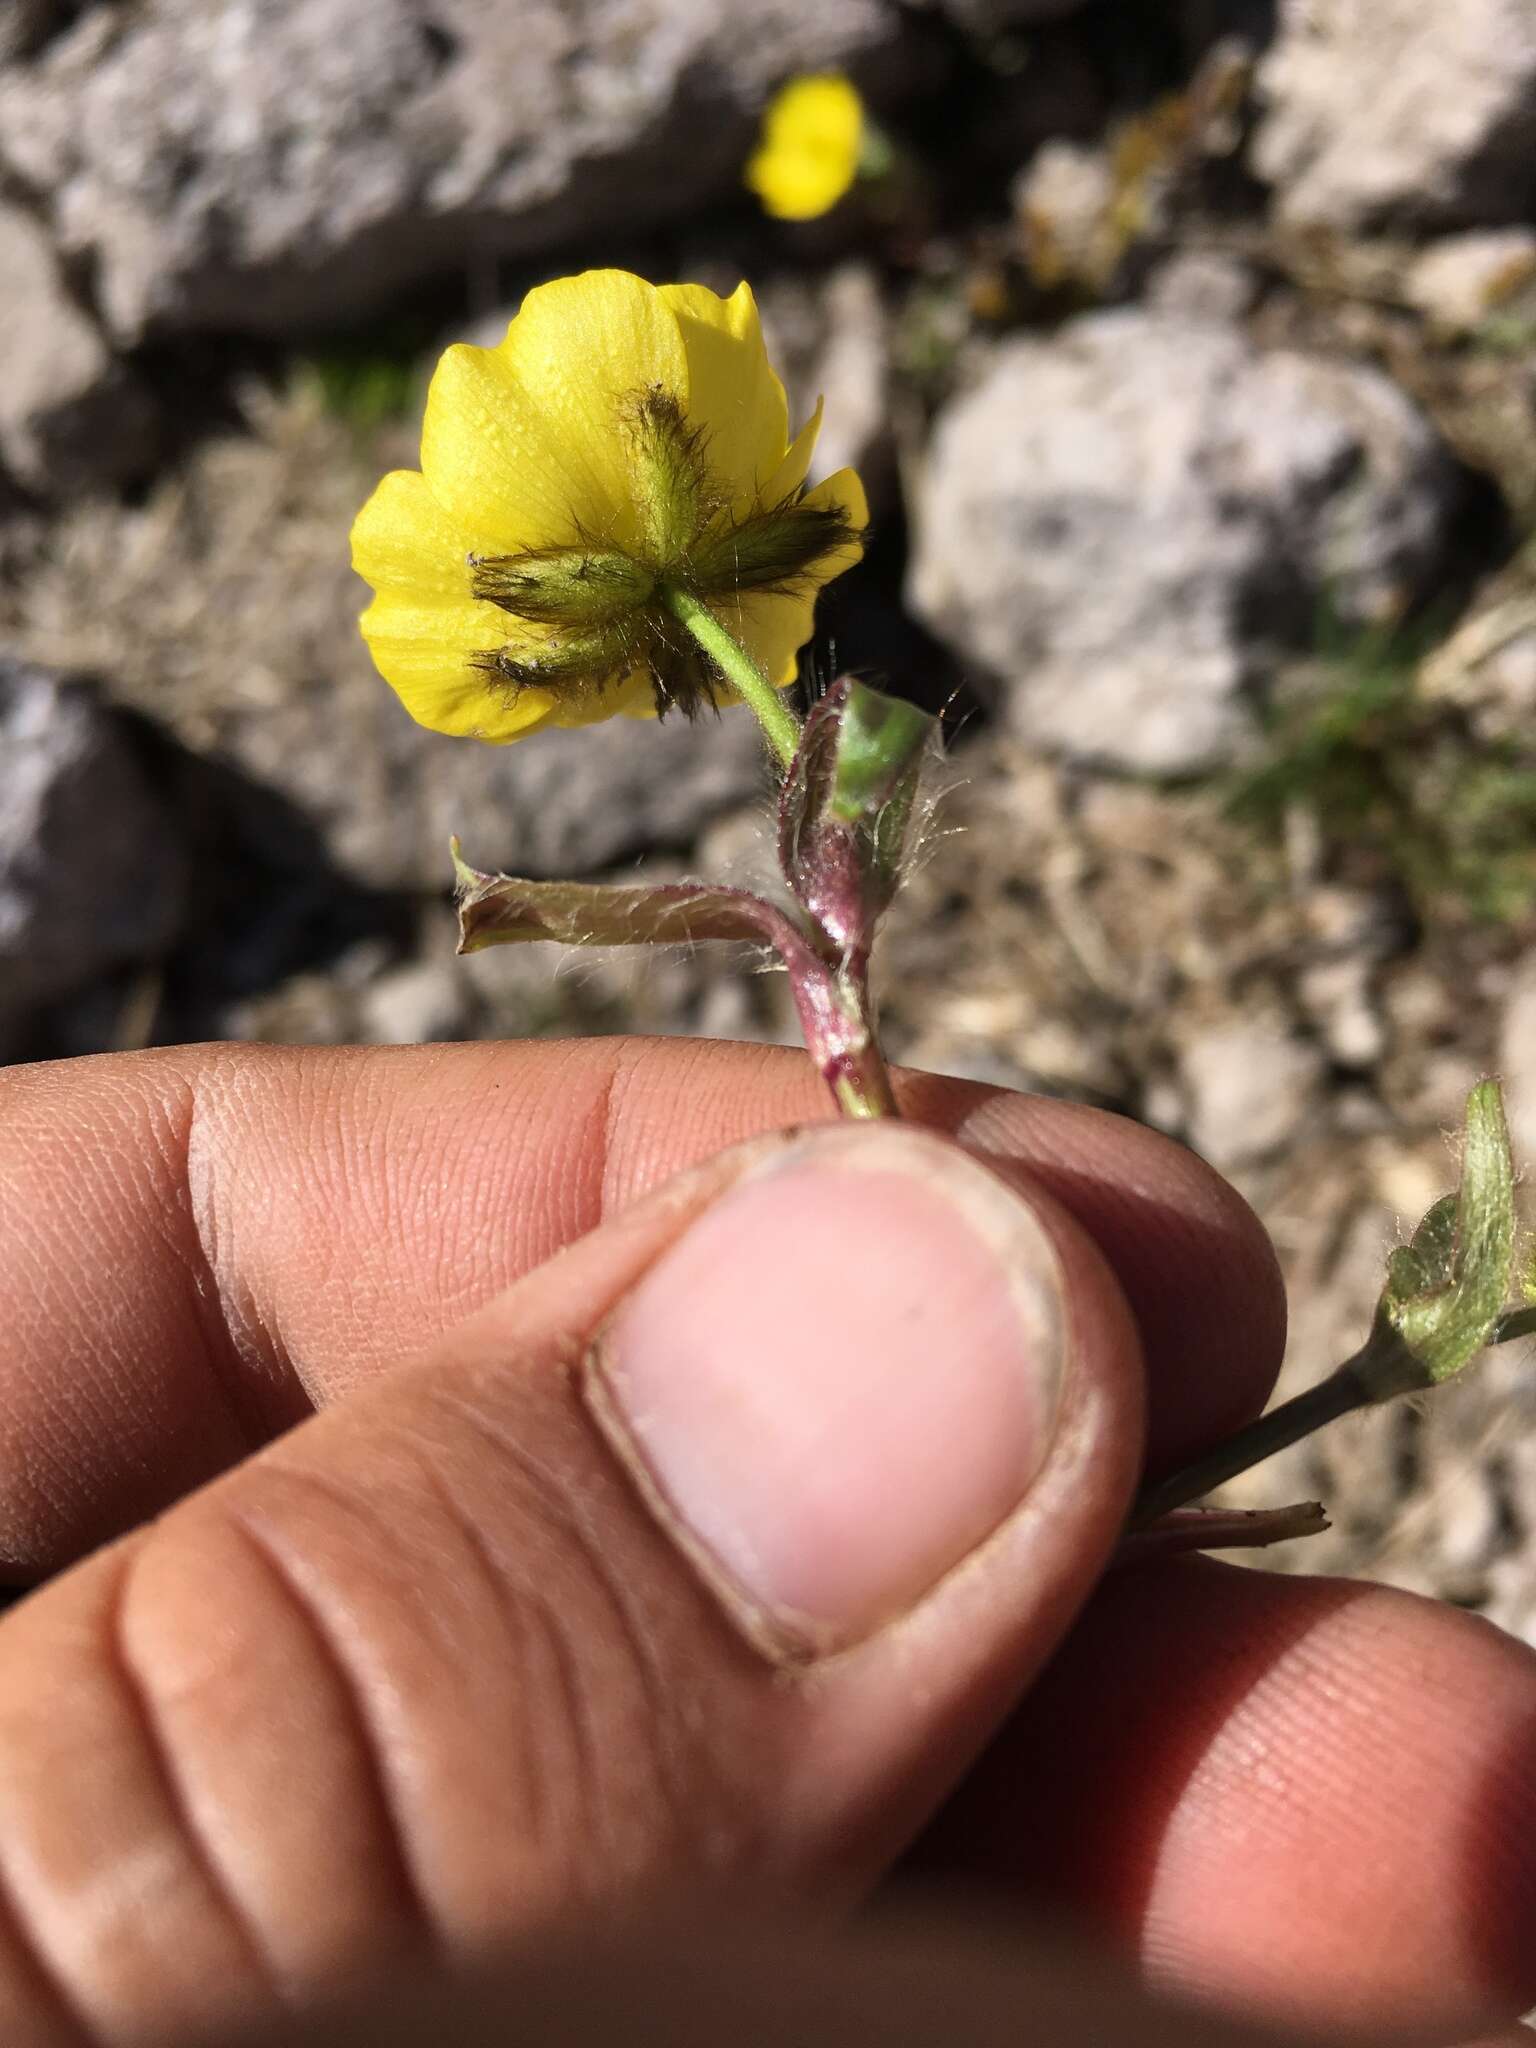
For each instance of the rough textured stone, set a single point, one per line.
(1396, 112)
(1125, 521)
(422, 1003)
(1203, 284)
(266, 163)
(1251, 1088)
(91, 871)
(387, 795)
(1458, 282)
(830, 338)
(70, 414)
(1064, 202)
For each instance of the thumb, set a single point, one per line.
(709, 1555)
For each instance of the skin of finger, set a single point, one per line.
(424, 1673)
(1306, 1797)
(917, 1983)
(197, 1244)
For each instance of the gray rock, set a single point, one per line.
(567, 803)
(1251, 1088)
(387, 796)
(1064, 202)
(1339, 999)
(424, 1002)
(1126, 520)
(1202, 284)
(830, 338)
(1400, 113)
(70, 414)
(92, 873)
(1459, 281)
(264, 164)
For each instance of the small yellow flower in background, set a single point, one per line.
(623, 456)
(813, 139)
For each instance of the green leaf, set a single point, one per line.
(1446, 1287)
(1426, 1262)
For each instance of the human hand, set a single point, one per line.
(501, 1638)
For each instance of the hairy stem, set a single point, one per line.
(860, 1080)
(866, 1093)
(737, 666)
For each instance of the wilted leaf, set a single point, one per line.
(500, 910)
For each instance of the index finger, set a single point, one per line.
(198, 1245)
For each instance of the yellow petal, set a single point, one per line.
(812, 135)
(734, 393)
(632, 697)
(423, 652)
(844, 492)
(403, 540)
(791, 472)
(773, 628)
(578, 351)
(499, 467)
(423, 626)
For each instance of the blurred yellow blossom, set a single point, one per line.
(617, 472)
(813, 137)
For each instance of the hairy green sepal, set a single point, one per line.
(583, 589)
(1446, 1288)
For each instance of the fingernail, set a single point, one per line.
(839, 1382)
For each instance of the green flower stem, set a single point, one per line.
(738, 667)
(1341, 1393)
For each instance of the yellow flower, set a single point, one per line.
(624, 454)
(813, 134)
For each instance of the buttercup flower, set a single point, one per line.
(595, 495)
(813, 138)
